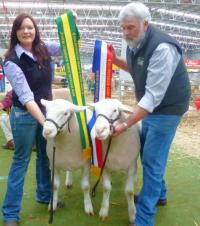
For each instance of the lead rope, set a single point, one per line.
(102, 169)
(52, 187)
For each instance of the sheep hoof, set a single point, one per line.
(54, 207)
(89, 210)
(103, 214)
(90, 214)
(60, 204)
(102, 218)
(68, 186)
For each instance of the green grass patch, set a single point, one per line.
(183, 209)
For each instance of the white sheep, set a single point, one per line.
(60, 116)
(64, 93)
(123, 153)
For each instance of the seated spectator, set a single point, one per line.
(5, 105)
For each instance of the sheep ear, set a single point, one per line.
(91, 105)
(43, 102)
(126, 108)
(79, 108)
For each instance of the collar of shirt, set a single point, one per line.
(134, 49)
(20, 50)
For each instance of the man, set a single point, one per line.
(155, 62)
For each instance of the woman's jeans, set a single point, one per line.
(26, 132)
(158, 132)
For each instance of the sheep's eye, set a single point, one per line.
(66, 113)
(115, 110)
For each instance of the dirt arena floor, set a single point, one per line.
(188, 134)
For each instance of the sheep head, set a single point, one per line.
(58, 113)
(108, 113)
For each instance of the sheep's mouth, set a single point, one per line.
(49, 135)
(102, 137)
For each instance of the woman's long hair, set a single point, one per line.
(38, 48)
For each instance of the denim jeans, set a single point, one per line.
(157, 134)
(26, 131)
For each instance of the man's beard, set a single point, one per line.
(133, 42)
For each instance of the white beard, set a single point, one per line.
(133, 43)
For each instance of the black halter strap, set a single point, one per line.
(111, 121)
(102, 169)
(52, 121)
(59, 128)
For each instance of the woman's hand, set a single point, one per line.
(35, 111)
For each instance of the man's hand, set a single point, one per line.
(119, 129)
(138, 114)
(114, 56)
(121, 63)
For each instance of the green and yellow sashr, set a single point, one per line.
(69, 37)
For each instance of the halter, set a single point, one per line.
(111, 121)
(59, 128)
(112, 128)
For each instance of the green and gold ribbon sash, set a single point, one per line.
(69, 37)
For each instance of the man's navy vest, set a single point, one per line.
(177, 96)
(38, 78)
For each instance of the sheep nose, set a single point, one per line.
(100, 130)
(46, 132)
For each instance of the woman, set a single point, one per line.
(27, 67)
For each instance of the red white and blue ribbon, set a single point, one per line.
(102, 69)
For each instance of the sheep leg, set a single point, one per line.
(103, 213)
(85, 185)
(129, 192)
(68, 179)
(55, 190)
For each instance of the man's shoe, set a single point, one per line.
(9, 145)
(11, 223)
(161, 202)
(42, 202)
(132, 224)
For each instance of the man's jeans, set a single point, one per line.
(158, 132)
(26, 131)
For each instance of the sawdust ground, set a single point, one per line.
(188, 134)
